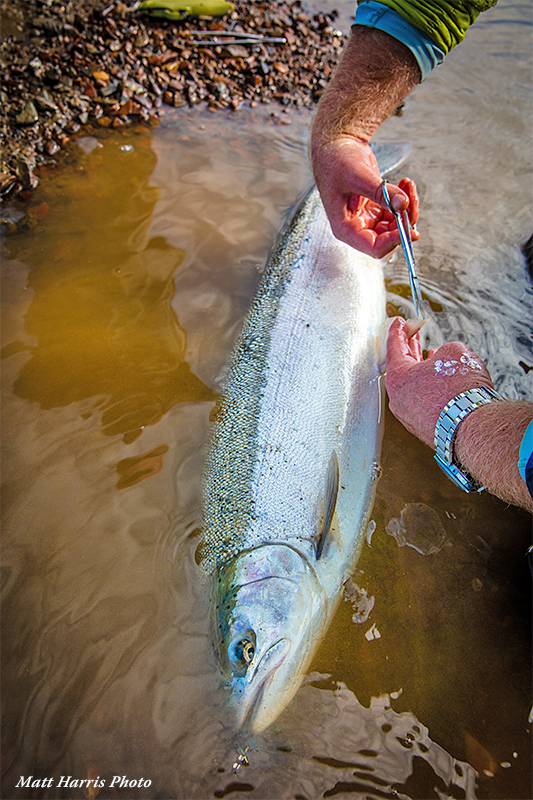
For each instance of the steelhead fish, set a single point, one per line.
(291, 468)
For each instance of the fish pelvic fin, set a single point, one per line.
(330, 501)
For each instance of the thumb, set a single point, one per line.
(398, 199)
(401, 352)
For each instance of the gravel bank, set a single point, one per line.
(72, 65)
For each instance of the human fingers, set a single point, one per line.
(402, 350)
(369, 228)
(366, 239)
(409, 187)
(402, 197)
(384, 226)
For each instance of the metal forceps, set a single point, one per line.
(402, 220)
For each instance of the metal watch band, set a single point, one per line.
(448, 422)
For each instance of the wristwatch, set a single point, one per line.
(448, 422)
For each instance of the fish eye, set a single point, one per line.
(248, 651)
(241, 653)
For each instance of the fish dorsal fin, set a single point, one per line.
(330, 501)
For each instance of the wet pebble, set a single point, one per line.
(28, 115)
(44, 102)
(25, 174)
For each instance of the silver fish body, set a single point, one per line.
(291, 469)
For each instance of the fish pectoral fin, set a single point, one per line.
(330, 501)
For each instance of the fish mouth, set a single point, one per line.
(254, 709)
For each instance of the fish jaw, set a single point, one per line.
(269, 615)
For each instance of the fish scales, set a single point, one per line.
(297, 389)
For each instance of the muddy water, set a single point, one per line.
(119, 311)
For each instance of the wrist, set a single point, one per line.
(488, 443)
(447, 430)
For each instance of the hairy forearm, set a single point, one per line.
(488, 443)
(374, 76)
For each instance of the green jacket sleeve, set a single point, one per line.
(445, 22)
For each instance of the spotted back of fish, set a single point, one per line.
(301, 394)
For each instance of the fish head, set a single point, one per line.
(269, 613)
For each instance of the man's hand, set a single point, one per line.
(488, 441)
(348, 179)
(418, 390)
(374, 76)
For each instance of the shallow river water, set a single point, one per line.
(119, 311)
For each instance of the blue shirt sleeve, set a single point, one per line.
(376, 15)
(525, 458)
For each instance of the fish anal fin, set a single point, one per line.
(331, 490)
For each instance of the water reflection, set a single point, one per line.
(101, 313)
(329, 745)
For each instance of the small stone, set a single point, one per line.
(28, 115)
(192, 96)
(142, 39)
(52, 75)
(7, 183)
(45, 102)
(110, 89)
(221, 91)
(90, 91)
(25, 174)
(101, 77)
(51, 147)
(280, 120)
(144, 100)
(234, 51)
(126, 108)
